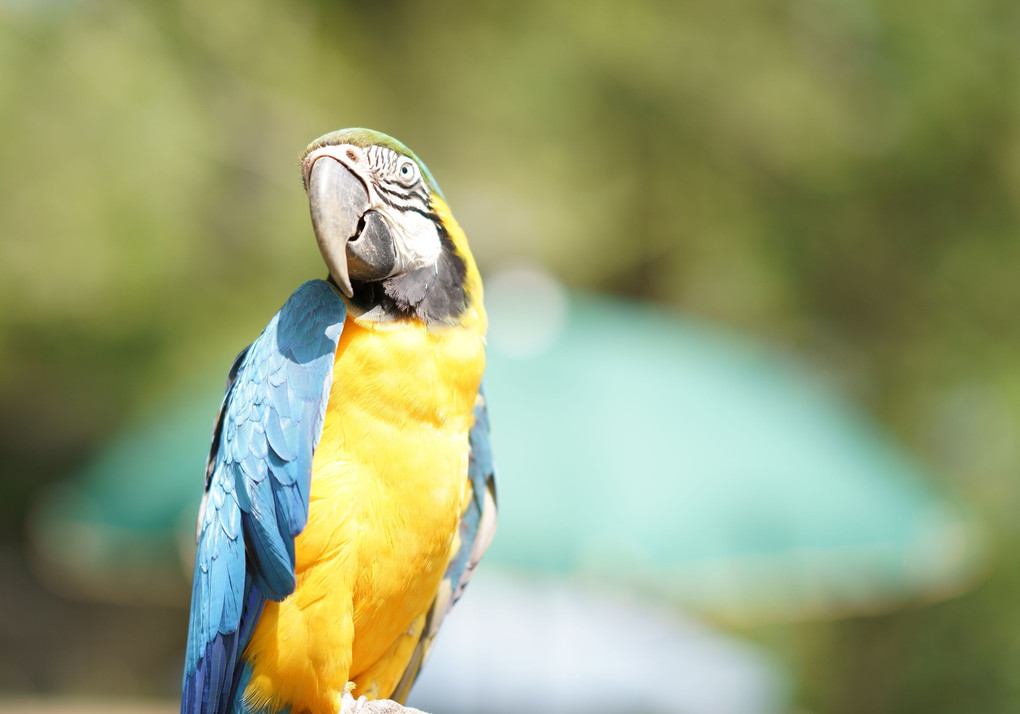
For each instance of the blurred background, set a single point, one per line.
(754, 371)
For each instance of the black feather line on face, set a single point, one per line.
(388, 200)
(434, 295)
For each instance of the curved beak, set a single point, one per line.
(354, 241)
(338, 199)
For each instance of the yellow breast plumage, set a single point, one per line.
(388, 488)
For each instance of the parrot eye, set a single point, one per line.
(407, 172)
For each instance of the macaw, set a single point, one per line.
(349, 491)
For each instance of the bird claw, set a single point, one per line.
(350, 705)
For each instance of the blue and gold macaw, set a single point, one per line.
(349, 491)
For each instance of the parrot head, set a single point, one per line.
(383, 227)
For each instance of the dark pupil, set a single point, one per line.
(405, 169)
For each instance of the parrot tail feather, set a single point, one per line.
(216, 686)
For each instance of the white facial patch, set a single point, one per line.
(415, 239)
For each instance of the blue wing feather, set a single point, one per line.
(257, 486)
(482, 474)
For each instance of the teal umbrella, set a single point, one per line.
(635, 448)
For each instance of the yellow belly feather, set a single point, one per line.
(389, 484)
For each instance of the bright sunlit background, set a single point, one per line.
(754, 363)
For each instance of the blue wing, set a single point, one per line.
(477, 526)
(257, 485)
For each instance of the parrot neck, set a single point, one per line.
(433, 294)
(445, 294)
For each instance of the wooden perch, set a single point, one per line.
(351, 705)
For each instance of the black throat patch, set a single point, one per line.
(434, 295)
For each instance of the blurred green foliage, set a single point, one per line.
(839, 176)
